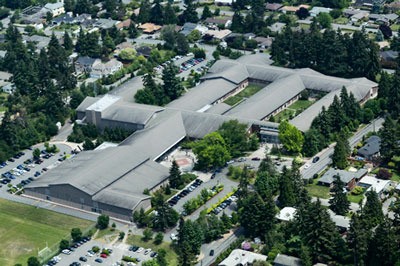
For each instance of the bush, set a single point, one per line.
(102, 222)
(147, 234)
(64, 244)
(129, 259)
(158, 239)
(384, 174)
(357, 190)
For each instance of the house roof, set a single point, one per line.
(218, 20)
(218, 34)
(242, 257)
(285, 260)
(389, 55)
(371, 147)
(374, 183)
(273, 6)
(345, 176)
(149, 27)
(54, 6)
(85, 61)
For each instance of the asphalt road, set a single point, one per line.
(325, 155)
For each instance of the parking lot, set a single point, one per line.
(84, 256)
(22, 169)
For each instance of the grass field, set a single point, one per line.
(246, 93)
(171, 257)
(317, 190)
(294, 109)
(24, 230)
(355, 198)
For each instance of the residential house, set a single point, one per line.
(273, 6)
(394, 6)
(285, 260)
(84, 64)
(372, 183)
(292, 9)
(39, 41)
(371, 148)
(389, 58)
(263, 42)
(217, 34)
(5, 83)
(33, 16)
(368, 3)
(124, 24)
(359, 16)
(188, 27)
(242, 258)
(100, 69)
(342, 222)
(277, 27)
(55, 9)
(384, 18)
(68, 18)
(316, 10)
(149, 28)
(224, 2)
(348, 178)
(215, 22)
(103, 23)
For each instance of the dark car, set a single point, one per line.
(83, 259)
(255, 159)
(315, 159)
(212, 252)
(98, 260)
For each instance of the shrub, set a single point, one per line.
(384, 174)
(129, 259)
(95, 249)
(357, 190)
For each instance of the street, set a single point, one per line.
(325, 155)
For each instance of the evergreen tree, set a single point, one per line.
(144, 13)
(286, 189)
(165, 216)
(190, 13)
(190, 238)
(389, 137)
(383, 247)
(206, 13)
(171, 83)
(339, 202)
(357, 239)
(156, 13)
(132, 31)
(372, 211)
(340, 153)
(175, 177)
(169, 15)
(256, 216)
(182, 44)
(68, 45)
(237, 22)
(316, 228)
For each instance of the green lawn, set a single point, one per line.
(246, 93)
(3, 108)
(109, 232)
(355, 198)
(341, 20)
(317, 190)
(171, 257)
(293, 110)
(25, 229)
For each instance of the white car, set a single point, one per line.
(140, 250)
(306, 166)
(173, 237)
(66, 251)
(147, 251)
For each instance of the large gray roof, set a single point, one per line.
(270, 98)
(88, 101)
(303, 120)
(345, 176)
(130, 112)
(229, 70)
(202, 95)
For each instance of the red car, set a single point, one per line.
(104, 256)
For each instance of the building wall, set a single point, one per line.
(114, 124)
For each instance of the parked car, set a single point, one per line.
(212, 252)
(98, 260)
(84, 259)
(147, 251)
(315, 159)
(66, 251)
(173, 237)
(255, 159)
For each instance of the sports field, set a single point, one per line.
(24, 230)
